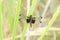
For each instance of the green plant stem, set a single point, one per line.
(28, 14)
(32, 7)
(16, 20)
(10, 16)
(50, 22)
(1, 18)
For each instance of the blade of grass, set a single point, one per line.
(1, 18)
(28, 14)
(10, 19)
(16, 20)
(32, 7)
(10, 16)
(51, 22)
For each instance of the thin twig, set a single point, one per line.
(45, 10)
(28, 8)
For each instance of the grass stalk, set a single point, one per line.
(10, 16)
(10, 19)
(55, 15)
(32, 7)
(16, 20)
(28, 14)
(45, 10)
(1, 19)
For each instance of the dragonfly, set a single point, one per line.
(30, 19)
